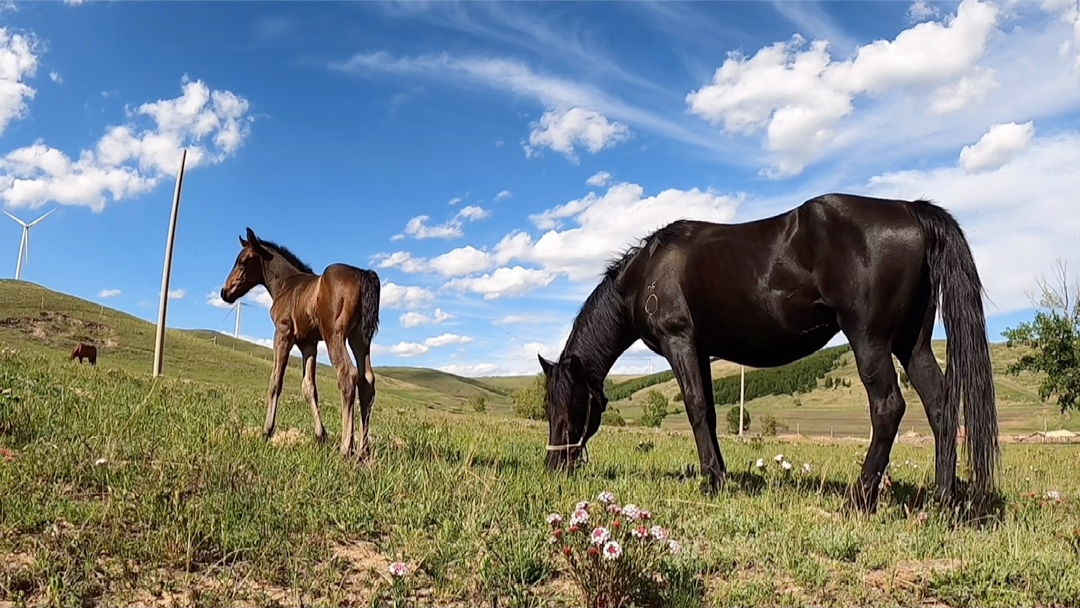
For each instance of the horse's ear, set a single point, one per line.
(251, 236)
(243, 243)
(545, 364)
(575, 365)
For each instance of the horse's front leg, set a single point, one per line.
(283, 343)
(695, 380)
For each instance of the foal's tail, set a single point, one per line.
(969, 374)
(369, 304)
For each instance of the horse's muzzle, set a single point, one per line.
(225, 297)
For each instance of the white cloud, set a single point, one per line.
(799, 96)
(563, 129)
(461, 261)
(454, 201)
(418, 227)
(503, 195)
(18, 60)
(968, 91)
(414, 349)
(128, 161)
(1018, 218)
(473, 213)
(177, 294)
(600, 179)
(503, 282)
(920, 10)
(608, 224)
(457, 262)
(416, 319)
(393, 295)
(56, 77)
(1001, 143)
(108, 293)
(521, 320)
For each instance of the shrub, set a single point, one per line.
(529, 400)
(477, 403)
(769, 425)
(613, 417)
(733, 420)
(613, 554)
(655, 409)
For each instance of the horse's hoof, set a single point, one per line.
(713, 484)
(320, 439)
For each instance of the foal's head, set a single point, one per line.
(574, 409)
(247, 271)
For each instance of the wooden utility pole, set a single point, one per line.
(742, 395)
(159, 345)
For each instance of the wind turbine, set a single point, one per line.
(24, 244)
(236, 308)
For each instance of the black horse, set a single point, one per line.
(768, 292)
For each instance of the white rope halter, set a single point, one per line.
(580, 442)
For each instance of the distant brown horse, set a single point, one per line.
(337, 307)
(84, 350)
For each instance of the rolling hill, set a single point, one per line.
(50, 323)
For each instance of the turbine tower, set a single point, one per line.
(237, 308)
(24, 244)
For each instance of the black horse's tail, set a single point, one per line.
(370, 289)
(954, 278)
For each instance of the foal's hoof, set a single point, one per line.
(320, 438)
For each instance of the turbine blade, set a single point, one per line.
(26, 245)
(21, 223)
(35, 222)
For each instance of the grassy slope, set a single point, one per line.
(844, 410)
(122, 491)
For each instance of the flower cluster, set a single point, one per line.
(613, 551)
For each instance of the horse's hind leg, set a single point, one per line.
(346, 373)
(926, 376)
(365, 385)
(311, 391)
(874, 361)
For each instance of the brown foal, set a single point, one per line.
(339, 307)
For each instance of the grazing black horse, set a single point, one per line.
(768, 292)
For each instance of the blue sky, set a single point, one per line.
(487, 158)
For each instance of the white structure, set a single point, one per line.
(24, 244)
(237, 308)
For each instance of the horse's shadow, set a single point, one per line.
(966, 508)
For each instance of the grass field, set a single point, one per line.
(119, 490)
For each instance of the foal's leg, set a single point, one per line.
(874, 360)
(929, 382)
(346, 373)
(365, 385)
(695, 380)
(311, 392)
(283, 343)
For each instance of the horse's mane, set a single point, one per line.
(661, 237)
(289, 256)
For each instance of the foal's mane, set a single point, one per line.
(289, 256)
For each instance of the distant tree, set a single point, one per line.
(655, 409)
(529, 400)
(1054, 336)
(478, 403)
(733, 419)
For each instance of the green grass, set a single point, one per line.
(191, 504)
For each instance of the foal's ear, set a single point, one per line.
(545, 364)
(251, 236)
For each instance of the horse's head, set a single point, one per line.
(247, 271)
(574, 409)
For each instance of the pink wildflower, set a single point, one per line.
(554, 519)
(614, 508)
(922, 517)
(593, 551)
(640, 532)
(612, 550)
(398, 569)
(616, 524)
(599, 535)
(631, 511)
(645, 514)
(582, 506)
(673, 546)
(606, 497)
(567, 551)
(658, 533)
(581, 516)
